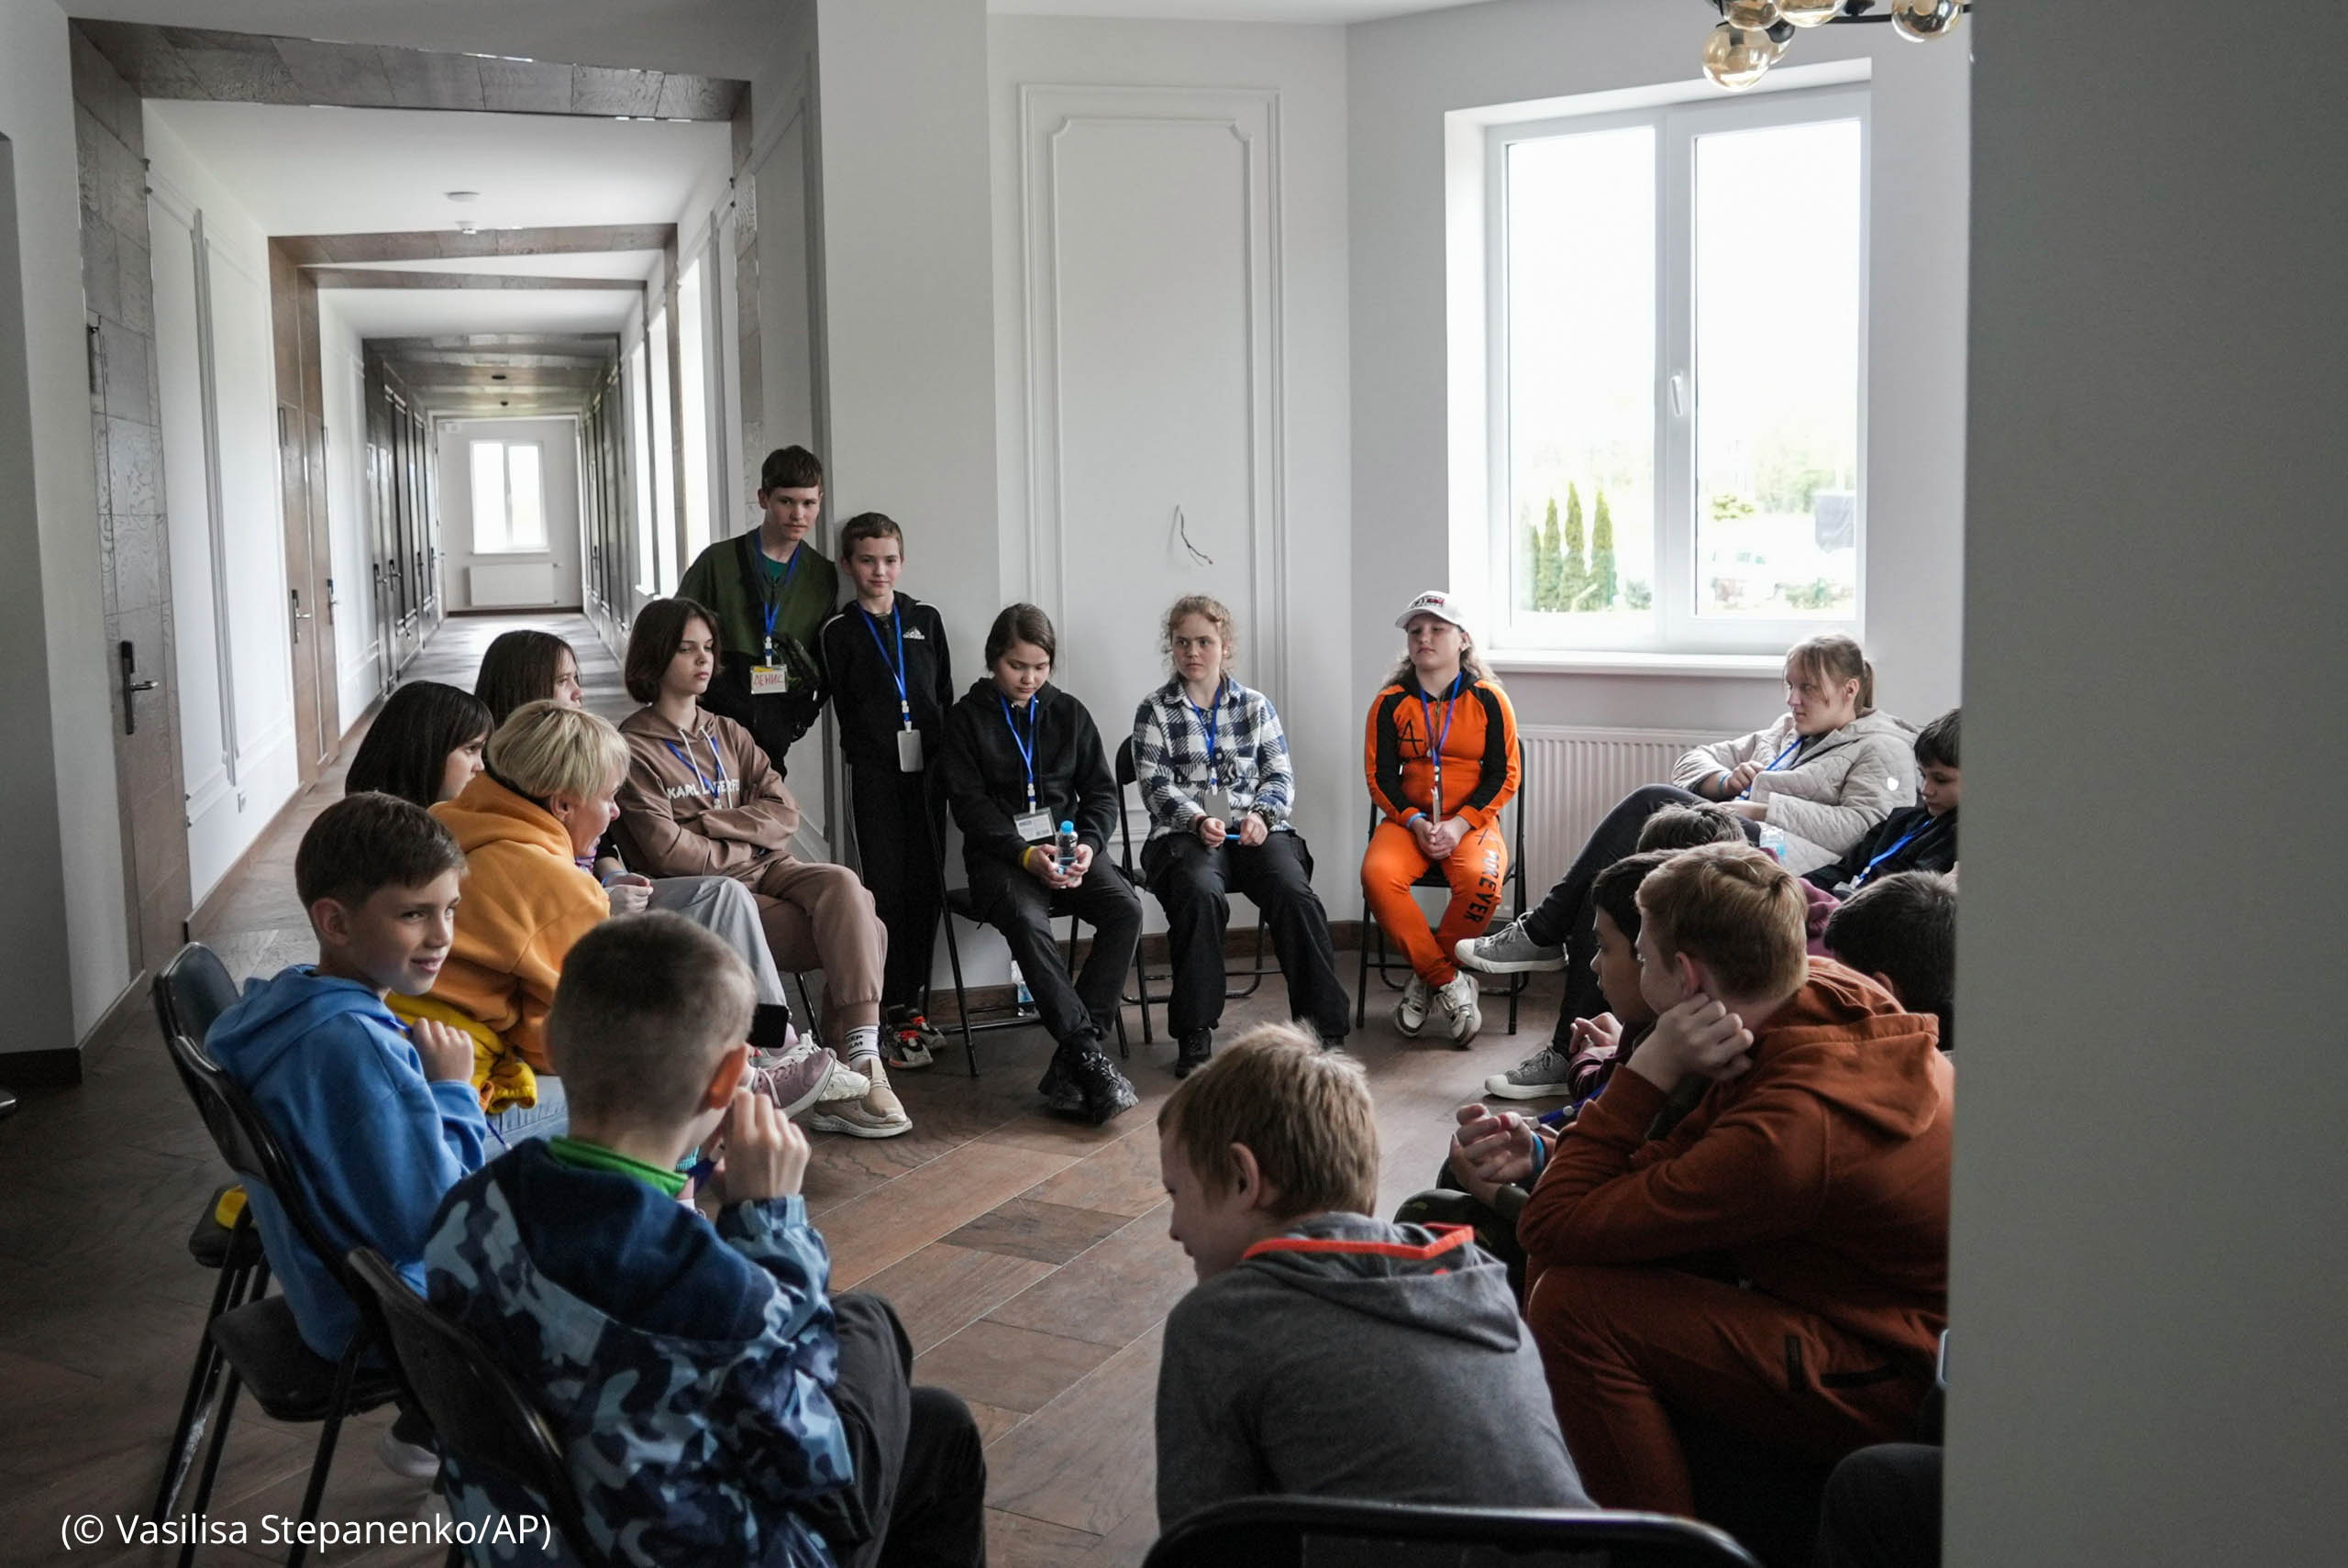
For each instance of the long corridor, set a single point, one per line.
(1027, 1255)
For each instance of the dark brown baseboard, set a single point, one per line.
(62, 1067)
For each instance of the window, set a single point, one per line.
(1677, 353)
(664, 458)
(639, 455)
(693, 387)
(509, 503)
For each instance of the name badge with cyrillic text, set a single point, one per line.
(1035, 827)
(769, 680)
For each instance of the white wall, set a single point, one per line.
(61, 975)
(2148, 1251)
(1170, 329)
(240, 757)
(557, 442)
(1406, 74)
(358, 640)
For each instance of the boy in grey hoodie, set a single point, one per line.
(1324, 1353)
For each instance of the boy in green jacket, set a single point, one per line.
(771, 590)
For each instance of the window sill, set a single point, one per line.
(1564, 661)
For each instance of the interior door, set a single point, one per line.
(302, 601)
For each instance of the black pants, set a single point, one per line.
(900, 861)
(1883, 1509)
(1568, 919)
(1020, 907)
(919, 1496)
(1194, 884)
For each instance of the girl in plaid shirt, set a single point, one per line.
(1212, 764)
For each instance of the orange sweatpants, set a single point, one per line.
(1476, 871)
(1626, 1346)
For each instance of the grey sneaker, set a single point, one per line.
(1462, 1015)
(805, 1074)
(876, 1115)
(1508, 950)
(1410, 1012)
(1541, 1076)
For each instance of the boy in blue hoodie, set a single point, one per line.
(715, 1405)
(378, 1117)
(1324, 1352)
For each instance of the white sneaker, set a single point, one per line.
(803, 1075)
(413, 1460)
(1463, 1014)
(1410, 1012)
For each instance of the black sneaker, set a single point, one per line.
(1104, 1089)
(1194, 1052)
(1059, 1092)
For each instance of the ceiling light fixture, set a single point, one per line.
(1752, 35)
(462, 196)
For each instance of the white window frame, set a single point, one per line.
(1674, 630)
(506, 468)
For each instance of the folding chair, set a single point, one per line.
(192, 990)
(1387, 967)
(960, 903)
(1142, 996)
(1292, 1532)
(484, 1418)
(259, 1341)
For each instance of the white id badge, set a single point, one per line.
(909, 751)
(769, 680)
(1035, 827)
(1216, 804)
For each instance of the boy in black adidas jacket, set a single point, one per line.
(889, 675)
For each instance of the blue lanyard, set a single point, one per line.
(1746, 792)
(708, 787)
(1026, 748)
(772, 604)
(896, 670)
(1208, 717)
(1426, 710)
(1913, 833)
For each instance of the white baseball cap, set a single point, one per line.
(1435, 601)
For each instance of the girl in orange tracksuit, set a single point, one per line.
(1441, 758)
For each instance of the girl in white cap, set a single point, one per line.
(1440, 755)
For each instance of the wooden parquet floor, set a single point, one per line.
(1027, 1255)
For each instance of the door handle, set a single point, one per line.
(128, 655)
(299, 615)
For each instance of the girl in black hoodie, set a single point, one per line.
(1021, 759)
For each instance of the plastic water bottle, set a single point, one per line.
(1064, 847)
(1021, 994)
(1773, 839)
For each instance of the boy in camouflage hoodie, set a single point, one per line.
(715, 1405)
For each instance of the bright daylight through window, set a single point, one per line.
(509, 506)
(1678, 303)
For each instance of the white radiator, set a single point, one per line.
(1573, 776)
(515, 583)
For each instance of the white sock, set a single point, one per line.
(863, 1041)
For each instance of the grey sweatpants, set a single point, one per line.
(729, 911)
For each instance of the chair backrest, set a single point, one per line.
(484, 1418)
(1126, 776)
(245, 1140)
(1289, 1532)
(192, 991)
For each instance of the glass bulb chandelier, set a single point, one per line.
(1752, 35)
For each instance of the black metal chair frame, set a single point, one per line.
(478, 1410)
(254, 1154)
(192, 990)
(1274, 1532)
(1141, 995)
(1389, 966)
(958, 902)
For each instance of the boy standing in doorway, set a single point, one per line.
(771, 590)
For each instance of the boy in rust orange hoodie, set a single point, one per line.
(1810, 1168)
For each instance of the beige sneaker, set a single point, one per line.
(877, 1113)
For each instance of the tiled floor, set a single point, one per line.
(1028, 1257)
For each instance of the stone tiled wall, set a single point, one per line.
(118, 290)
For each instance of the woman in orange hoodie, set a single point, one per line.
(529, 825)
(1441, 758)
